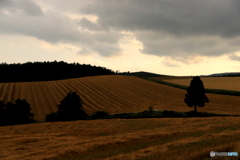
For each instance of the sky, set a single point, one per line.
(172, 37)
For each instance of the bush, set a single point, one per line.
(166, 113)
(18, 112)
(100, 115)
(52, 117)
(70, 108)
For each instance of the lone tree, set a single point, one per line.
(196, 94)
(71, 108)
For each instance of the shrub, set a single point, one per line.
(100, 115)
(18, 112)
(70, 108)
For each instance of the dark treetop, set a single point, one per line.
(196, 94)
(46, 71)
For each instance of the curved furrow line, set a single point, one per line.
(139, 83)
(3, 91)
(68, 89)
(89, 102)
(60, 93)
(98, 93)
(46, 97)
(33, 97)
(137, 90)
(129, 87)
(12, 94)
(127, 97)
(127, 94)
(126, 105)
(88, 96)
(119, 94)
(9, 91)
(18, 91)
(65, 87)
(51, 90)
(123, 89)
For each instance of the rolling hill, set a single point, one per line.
(112, 93)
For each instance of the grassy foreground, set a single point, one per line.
(143, 139)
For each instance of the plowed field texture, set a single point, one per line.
(226, 83)
(114, 94)
(153, 138)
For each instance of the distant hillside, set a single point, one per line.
(228, 74)
(141, 74)
(46, 71)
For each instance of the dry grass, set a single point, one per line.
(114, 94)
(165, 138)
(227, 83)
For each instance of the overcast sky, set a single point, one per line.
(173, 37)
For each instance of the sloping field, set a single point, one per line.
(227, 83)
(115, 94)
(141, 139)
(171, 77)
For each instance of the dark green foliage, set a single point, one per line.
(46, 71)
(196, 94)
(18, 112)
(70, 109)
(100, 115)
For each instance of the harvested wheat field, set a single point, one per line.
(142, 139)
(227, 83)
(114, 94)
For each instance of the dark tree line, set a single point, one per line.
(17, 112)
(45, 71)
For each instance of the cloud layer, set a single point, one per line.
(171, 28)
(174, 28)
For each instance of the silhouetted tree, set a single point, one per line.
(24, 113)
(196, 94)
(18, 112)
(2, 113)
(71, 108)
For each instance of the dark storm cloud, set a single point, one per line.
(87, 24)
(181, 17)
(26, 6)
(176, 28)
(173, 28)
(25, 17)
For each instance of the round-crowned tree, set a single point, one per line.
(71, 108)
(195, 96)
(18, 112)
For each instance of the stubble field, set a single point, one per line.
(227, 83)
(114, 94)
(144, 139)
